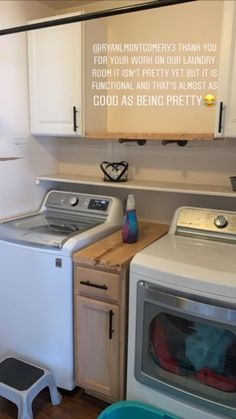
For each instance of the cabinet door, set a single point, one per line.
(226, 103)
(55, 79)
(97, 346)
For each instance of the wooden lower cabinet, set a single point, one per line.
(101, 276)
(100, 307)
(97, 336)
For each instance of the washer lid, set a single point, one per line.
(196, 264)
(47, 229)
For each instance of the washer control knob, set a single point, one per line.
(220, 221)
(73, 201)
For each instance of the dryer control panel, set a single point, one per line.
(205, 222)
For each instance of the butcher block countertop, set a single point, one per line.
(111, 253)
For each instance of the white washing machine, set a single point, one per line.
(36, 276)
(182, 317)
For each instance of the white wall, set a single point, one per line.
(199, 162)
(18, 190)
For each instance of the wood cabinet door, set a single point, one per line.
(226, 103)
(97, 346)
(55, 79)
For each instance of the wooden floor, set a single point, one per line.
(74, 405)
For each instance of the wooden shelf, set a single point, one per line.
(149, 136)
(146, 185)
(112, 253)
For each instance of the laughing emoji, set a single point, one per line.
(209, 100)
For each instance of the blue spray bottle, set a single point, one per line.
(130, 225)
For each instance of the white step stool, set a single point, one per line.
(21, 382)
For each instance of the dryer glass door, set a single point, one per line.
(185, 345)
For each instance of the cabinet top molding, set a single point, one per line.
(94, 15)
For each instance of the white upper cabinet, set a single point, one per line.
(56, 79)
(226, 101)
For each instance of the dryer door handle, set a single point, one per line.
(187, 304)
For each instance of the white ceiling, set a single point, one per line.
(63, 4)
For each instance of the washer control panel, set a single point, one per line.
(98, 204)
(77, 202)
(205, 221)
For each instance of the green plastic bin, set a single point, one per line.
(134, 410)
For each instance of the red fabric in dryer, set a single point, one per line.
(215, 380)
(161, 347)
